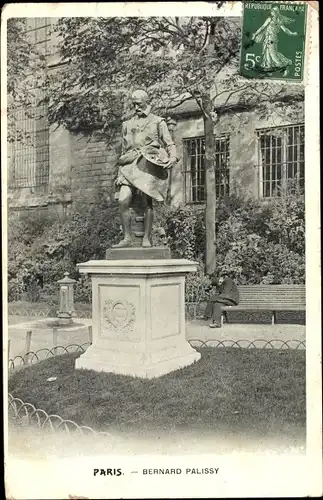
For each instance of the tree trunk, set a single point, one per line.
(210, 208)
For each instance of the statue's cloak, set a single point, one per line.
(147, 171)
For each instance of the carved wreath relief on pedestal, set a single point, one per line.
(119, 315)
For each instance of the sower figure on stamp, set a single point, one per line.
(267, 35)
(148, 151)
(227, 295)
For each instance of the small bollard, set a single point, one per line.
(27, 346)
(66, 294)
(90, 334)
(9, 343)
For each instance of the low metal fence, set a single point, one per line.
(26, 414)
(45, 311)
(42, 310)
(251, 344)
(32, 357)
(192, 309)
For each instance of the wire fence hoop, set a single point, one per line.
(27, 414)
(33, 357)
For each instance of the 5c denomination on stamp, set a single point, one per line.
(273, 40)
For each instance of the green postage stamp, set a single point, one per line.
(273, 40)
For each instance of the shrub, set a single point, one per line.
(37, 263)
(184, 228)
(264, 242)
(15, 289)
(257, 242)
(83, 291)
(197, 285)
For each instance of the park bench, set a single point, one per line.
(272, 298)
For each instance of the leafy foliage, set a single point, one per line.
(36, 263)
(108, 57)
(264, 243)
(257, 242)
(175, 59)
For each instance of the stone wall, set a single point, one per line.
(92, 169)
(82, 170)
(56, 195)
(242, 128)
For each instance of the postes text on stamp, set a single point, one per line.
(273, 40)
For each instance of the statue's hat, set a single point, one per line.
(158, 156)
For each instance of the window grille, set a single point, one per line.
(39, 33)
(29, 153)
(281, 160)
(194, 168)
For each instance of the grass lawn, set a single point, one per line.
(259, 390)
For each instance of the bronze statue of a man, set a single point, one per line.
(148, 152)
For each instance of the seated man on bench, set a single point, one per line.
(228, 295)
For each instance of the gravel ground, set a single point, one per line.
(18, 326)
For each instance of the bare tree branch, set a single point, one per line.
(206, 37)
(246, 86)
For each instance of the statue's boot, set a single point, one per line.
(126, 223)
(126, 242)
(146, 243)
(148, 228)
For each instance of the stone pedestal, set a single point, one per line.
(136, 253)
(138, 315)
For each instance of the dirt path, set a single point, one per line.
(43, 338)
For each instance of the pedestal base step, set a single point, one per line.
(138, 253)
(108, 363)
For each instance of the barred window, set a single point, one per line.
(29, 152)
(39, 32)
(194, 168)
(281, 160)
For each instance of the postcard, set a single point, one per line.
(161, 250)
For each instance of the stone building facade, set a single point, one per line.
(257, 155)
